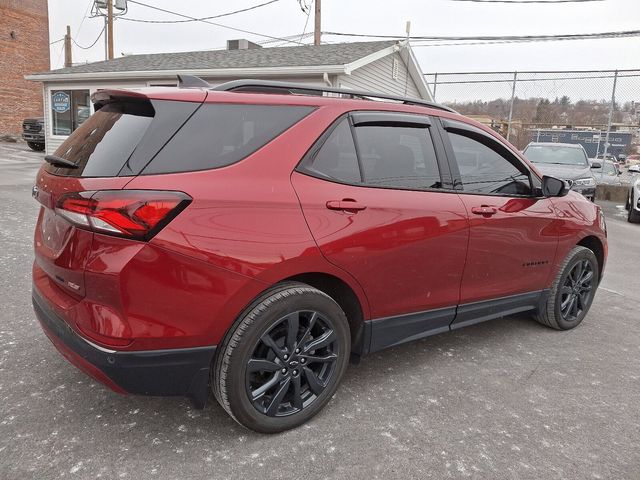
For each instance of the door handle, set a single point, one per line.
(346, 204)
(484, 210)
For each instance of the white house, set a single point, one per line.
(384, 67)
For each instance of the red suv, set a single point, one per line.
(253, 237)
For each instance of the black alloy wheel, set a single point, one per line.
(576, 291)
(283, 359)
(571, 294)
(292, 364)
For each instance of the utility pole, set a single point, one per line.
(611, 107)
(513, 98)
(316, 30)
(67, 48)
(110, 28)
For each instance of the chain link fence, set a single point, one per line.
(599, 109)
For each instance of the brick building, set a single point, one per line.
(24, 49)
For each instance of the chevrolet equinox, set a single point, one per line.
(252, 238)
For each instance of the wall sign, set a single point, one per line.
(60, 102)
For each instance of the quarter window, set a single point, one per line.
(483, 170)
(337, 157)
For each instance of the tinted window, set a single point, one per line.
(218, 135)
(609, 168)
(337, 156)
(104, 142)
(559, 155)
(401, 157)
(483, 170)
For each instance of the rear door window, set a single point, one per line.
(398, 157)
(218, 135)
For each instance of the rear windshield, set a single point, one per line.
(556, 155)
(105, 141)
(218, 135)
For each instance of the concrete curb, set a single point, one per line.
(614, 193)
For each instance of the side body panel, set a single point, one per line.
(406, 248)
(510, 252)
(244, 222)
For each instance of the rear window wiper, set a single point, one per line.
(59, 161)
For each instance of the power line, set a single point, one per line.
(306, 22)
(57, 41)
(554, 79)
(85, 17)
(93, 44)
(506, 38)
(212, 23)
(528, 1)
(201, 18)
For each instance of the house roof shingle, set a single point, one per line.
(305, 55)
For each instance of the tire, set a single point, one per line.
(632, 215)
(264, 399)
(555, 313)
(37, 147)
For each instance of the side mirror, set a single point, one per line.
(596, 165)
(554, 187)
(634, 169)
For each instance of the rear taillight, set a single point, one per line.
(137, 214)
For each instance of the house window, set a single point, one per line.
(69, 108)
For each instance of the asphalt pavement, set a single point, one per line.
(506, 399)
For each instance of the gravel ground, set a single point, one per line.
(507, 399)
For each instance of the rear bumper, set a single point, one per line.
(175, 372)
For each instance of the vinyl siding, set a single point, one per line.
(377, 77)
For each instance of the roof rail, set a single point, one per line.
(266, 86)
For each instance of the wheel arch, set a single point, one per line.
(594, 244)
(345, 296)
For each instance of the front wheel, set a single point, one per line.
(283, 360)
(633, 216)
(572, 291)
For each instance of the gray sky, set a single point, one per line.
(428, 17)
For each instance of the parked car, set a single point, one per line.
(33, 133)
(255, 236)
(564, 160)
(605, 172)
(633, 200)
(633, 160)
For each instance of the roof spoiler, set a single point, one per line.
(101, 97)
(191, 81)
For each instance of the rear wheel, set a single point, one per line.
(283, 360)
(572, 291)
(633, 216)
